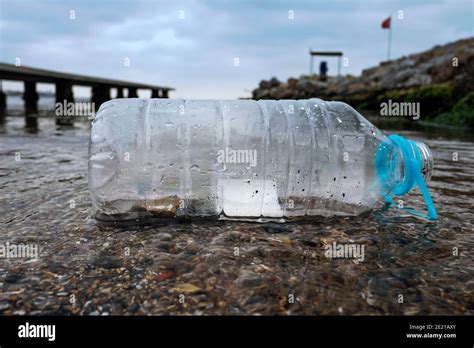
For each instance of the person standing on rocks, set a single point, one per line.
(323, 69)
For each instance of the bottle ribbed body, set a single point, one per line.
(262, 159)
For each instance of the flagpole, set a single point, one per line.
(389, 39)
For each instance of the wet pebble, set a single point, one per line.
(248, 279)
(147, 261)
(276, 228)
(395, 283)
(308, 242)
(367, 240)
(164, 236)
(134, 308)
(230, 237)
(4, 305)
(108, 262)
(163, 247)
(13, 277)
(55, 267)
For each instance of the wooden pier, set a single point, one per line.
(64, 82)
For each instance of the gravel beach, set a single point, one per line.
(410, 266)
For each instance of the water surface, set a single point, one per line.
(411, 266)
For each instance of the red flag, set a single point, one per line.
(386, 23)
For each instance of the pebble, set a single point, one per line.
(134, 308)
(4, 305)
(164, 236)
(248, 279)
(367, 240)
(276, 228)
(163, 246)
(165, 275)
(108, 262)
(308, 242)
(186, 288)
(395, 283)
(55, 267)
(13, 278)
(293, 280)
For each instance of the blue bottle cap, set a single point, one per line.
(418, 166)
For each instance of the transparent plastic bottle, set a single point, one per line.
(239, 159)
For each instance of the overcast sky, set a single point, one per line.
(218, 49)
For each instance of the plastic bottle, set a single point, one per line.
(244, 159)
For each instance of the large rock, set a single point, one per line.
(464, 79)
(274, 82)
(434, 66)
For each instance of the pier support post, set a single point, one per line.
(3, 106)
(30, 96)
(155, 93)
(64, 96)
(3, 100)
(164, 93)
(132, 92)
(119, 92)
(100, 94)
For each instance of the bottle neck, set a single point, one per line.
(427, 164)
(401, 165)
(392, 169)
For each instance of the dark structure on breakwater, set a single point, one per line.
(64, 82)
(337, 54)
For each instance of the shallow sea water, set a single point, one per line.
(410, 265)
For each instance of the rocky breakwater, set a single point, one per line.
(440, 79)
